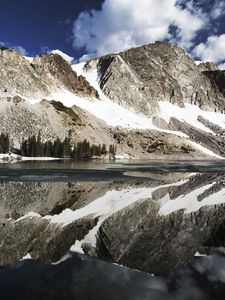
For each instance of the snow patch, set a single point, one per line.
(188, 114)
(205, 150)
(24, 158)
(189, 202)
(197, 254)
(65, 56)
(77, 247)
(29, 58)
(111, 113)
(30, 214)
(27, 256)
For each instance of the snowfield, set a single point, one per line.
(189, 113)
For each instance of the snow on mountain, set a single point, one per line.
(29, 58)
(65, 56)
(124, 92)
(188, 113)
(205, 150)
(190, 202)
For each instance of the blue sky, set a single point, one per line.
(89, 28)
(38, 25)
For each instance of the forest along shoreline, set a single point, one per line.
(34, 148)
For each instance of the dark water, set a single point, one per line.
(99, 170)
(82, 277)
(153, 216)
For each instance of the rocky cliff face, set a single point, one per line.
(38, 79)
(158, 72)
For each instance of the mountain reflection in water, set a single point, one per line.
(155, 224)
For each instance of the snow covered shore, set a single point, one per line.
(14, 158)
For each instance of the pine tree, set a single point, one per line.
(112, 151)
(80, 150)
(66, 147)
(38, 148)
(103, 149)
(24, 148)
(4, 143)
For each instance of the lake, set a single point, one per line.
(164, 218)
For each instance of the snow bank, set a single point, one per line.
(189, 113)
(30, 214)
(14, 158)
(205, 150)
(23, 158)
(189, 202)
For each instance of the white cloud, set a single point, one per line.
(222, 66)
(212, 50)
(123, 24)
(20, 49)
(64, 55)
(218, 9)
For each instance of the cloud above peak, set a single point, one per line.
(120, 25)
(211, 50)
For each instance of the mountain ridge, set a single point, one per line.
(148, 96)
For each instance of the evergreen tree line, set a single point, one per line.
(85, 150)
(4, 143)
(34, 147)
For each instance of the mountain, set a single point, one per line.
(159, 222)
(153, 101)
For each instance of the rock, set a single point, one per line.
(217, 78)
(40, 78)
(214, 127)
(208, 66)
(137, 79)
(157, 72)
(214, 143)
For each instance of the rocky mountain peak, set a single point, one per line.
(141, 77)
(38, 79)
(208, 66)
